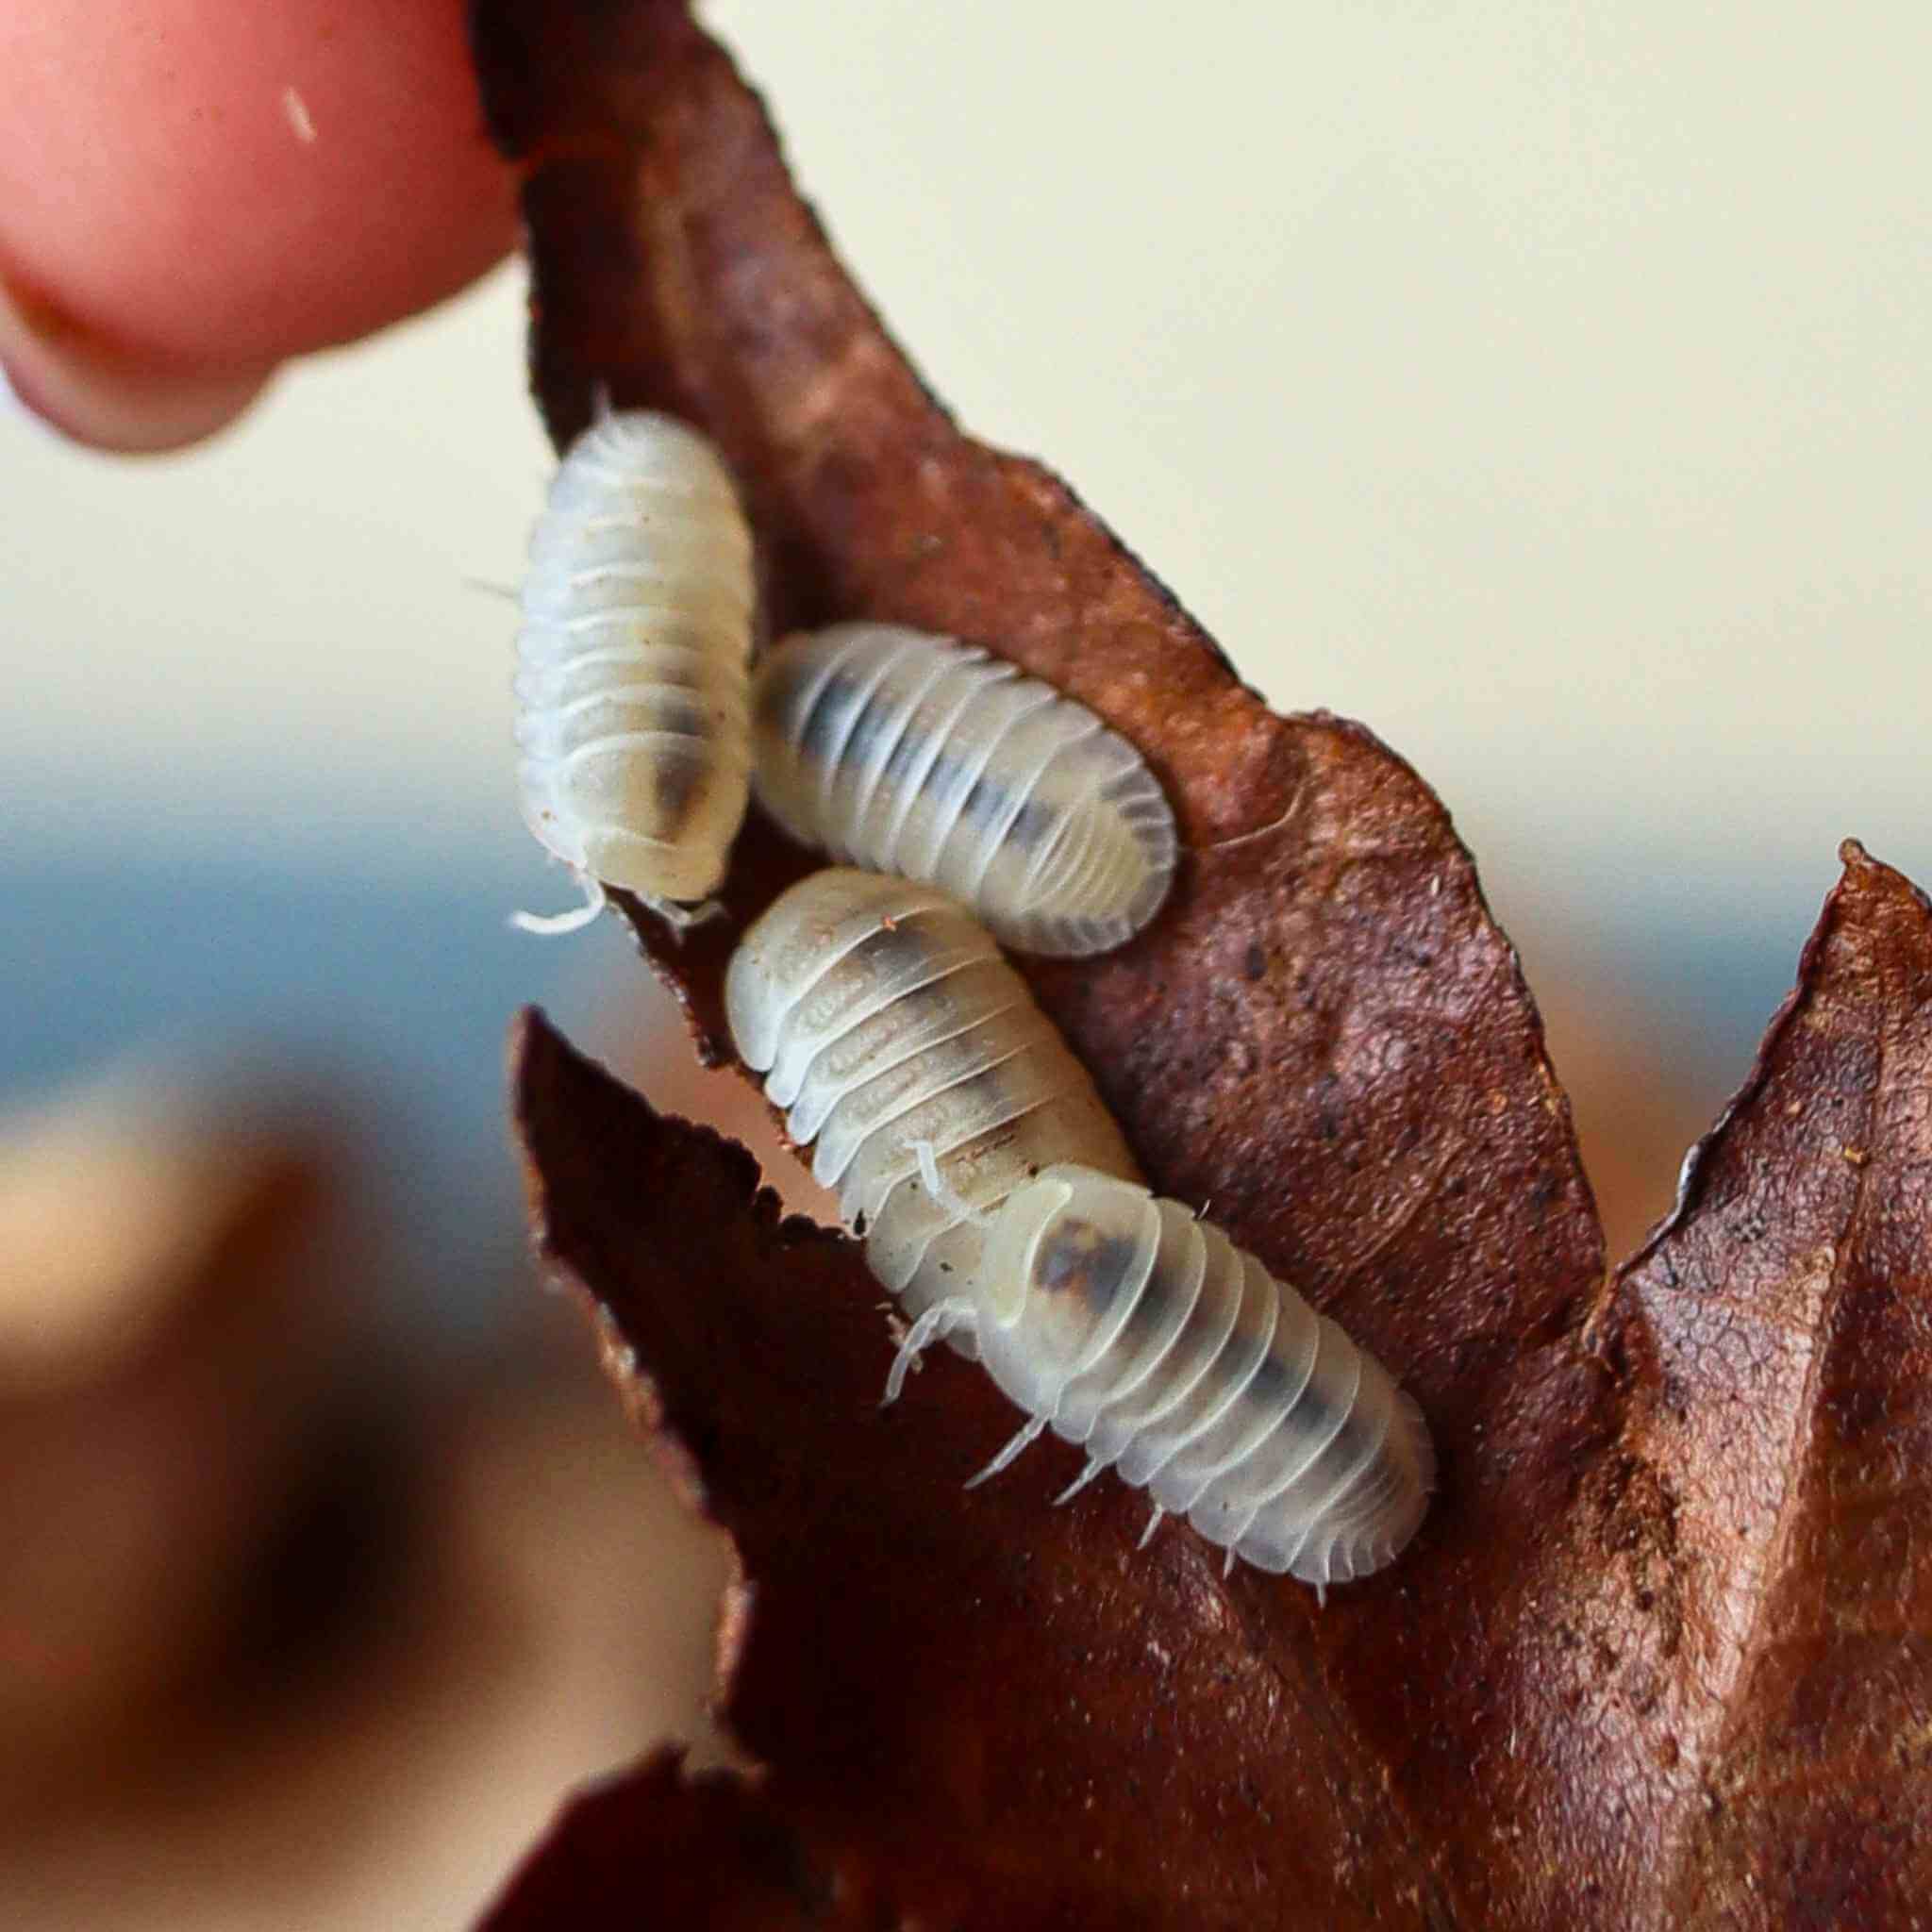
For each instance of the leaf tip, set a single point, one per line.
(1873, 893)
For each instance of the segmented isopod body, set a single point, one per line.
(911, 754)
(886, 1020)
(1136, 1329)
(632, 684)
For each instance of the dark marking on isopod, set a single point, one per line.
(914, 754)
(1079, 1258)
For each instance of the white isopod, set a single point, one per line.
(632, 681)
(905, 1047)
(907, 753)
(1130, 1326)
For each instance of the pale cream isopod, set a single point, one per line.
(903, 1045)
(912, 754)
(632, 684)
(1134, 1328)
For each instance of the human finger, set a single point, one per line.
(192, 191)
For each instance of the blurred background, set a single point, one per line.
(1548, 386)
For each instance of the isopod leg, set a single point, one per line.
(548, 925)
(1153, 1523)
(937, 1322)
(1023, 1439)
(680, 919)
(936, 1186)
(1079, 1482)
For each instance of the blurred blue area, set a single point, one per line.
(266, 934)
(1707, 943)
(392, 993)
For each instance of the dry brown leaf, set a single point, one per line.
(1580, 1696)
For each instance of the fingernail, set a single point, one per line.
(92, 393)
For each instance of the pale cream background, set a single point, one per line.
(1548, 385)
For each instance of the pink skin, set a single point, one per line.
(169, 232)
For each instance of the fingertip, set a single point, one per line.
(91, 393)
(193, 192)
